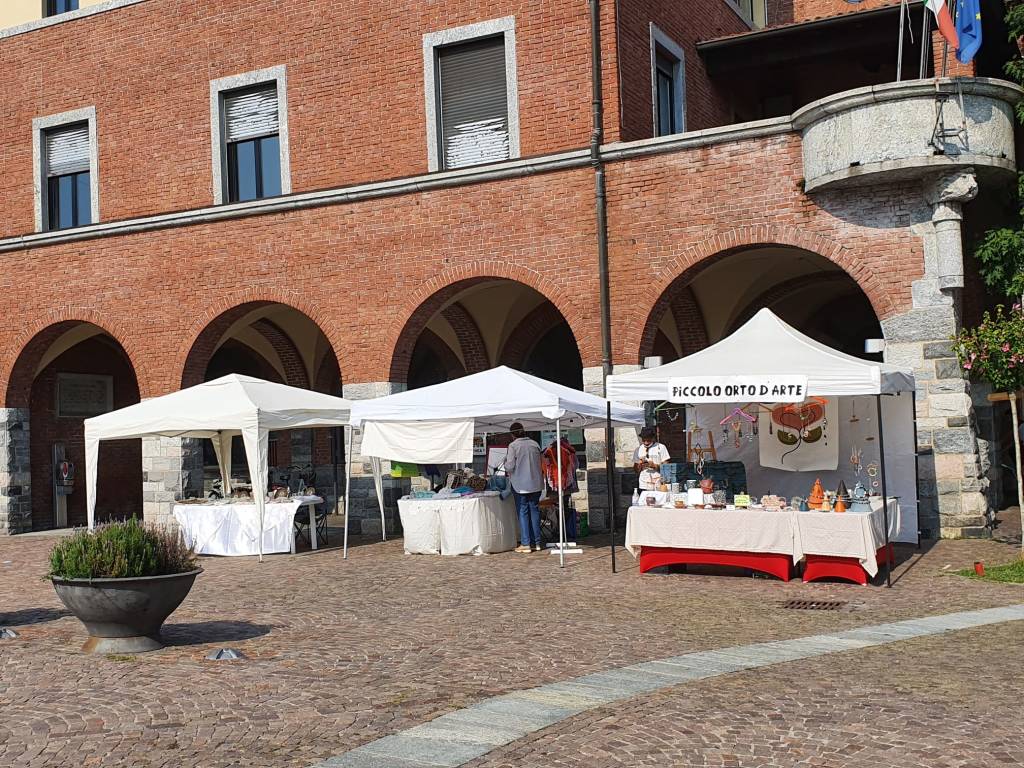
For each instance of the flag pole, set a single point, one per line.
(899, 55)
(926, 42)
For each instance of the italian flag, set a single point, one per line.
(945, 21)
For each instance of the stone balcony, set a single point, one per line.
(892, 132)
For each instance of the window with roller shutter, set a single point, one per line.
(472, 99)
(68, 202)
(252, 142)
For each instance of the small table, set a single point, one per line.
(748, 538)
(233, 530)
(479, 524)
(848, 545)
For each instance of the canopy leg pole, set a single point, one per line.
(348, 491)
(609, 443)
(335, 440)
(561, 494)
(885, 496)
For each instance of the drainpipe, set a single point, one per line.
(600, 198)
(601, 218)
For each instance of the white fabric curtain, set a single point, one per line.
(222, 448)
(420, 442)
(256, 442)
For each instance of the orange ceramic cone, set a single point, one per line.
(840, 506)
(817, 497)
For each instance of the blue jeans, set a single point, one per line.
(528, 508)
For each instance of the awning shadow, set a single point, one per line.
(203, 632)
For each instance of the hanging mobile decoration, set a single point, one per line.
(873, 473)
(856, 460)
(737, 428)
(853, 415)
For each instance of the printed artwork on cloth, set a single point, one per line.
(800, 437)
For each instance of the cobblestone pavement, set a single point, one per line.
(345, 652)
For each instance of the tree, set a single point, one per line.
(1000, 253)
(994, 352)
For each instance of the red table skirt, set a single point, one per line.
(848, 568)
(765, 562)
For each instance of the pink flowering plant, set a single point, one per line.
(994, 350)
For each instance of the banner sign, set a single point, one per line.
(738, 389)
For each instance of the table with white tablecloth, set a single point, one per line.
(233, 529)
(478, 524)
(765, 540)
(856, 536)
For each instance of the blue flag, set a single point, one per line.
(968, 29)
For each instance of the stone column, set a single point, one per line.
(953, 482)
(626, 440)
(172, 469)
(15, 472)
(364, 514)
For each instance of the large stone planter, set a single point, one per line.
(124, 615)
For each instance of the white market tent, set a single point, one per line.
(218, 410)
(765, 346)
(766, 350)
(436, 424)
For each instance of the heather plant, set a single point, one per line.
(119, 551)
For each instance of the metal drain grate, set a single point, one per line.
(814, 605)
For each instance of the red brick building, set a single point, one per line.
(360, 197)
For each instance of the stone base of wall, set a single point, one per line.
(15, 472)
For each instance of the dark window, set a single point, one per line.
(68, 189)
(53, 7)
(254, 169)
(669, 110)
(472, 99)
(253, 143)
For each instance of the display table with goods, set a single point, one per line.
(775, 412)
(221, 410)
(437, 425)
(468, 524)
(231, 527)
(769, 536)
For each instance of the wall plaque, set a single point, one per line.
(81, 395)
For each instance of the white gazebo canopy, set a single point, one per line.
(436, 424)
(219, 410)
(764, 348)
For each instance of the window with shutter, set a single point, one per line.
(472, 103)
(54, 7)
(69, 202)
(251, 131)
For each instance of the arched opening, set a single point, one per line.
(278, 343)
(67, 373)
(711, 301)
(806, 290)
(480, 323)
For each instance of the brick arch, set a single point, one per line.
(658, 295)
(201, 339)
(291, 359)
(433, 294)
(778, 292)
(531, 329)
(19, 368)
(474, 351)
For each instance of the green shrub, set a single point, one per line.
(120, 551)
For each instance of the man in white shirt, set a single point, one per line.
(522, 462)
(648, 458)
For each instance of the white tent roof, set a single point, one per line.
(494, 399)
(766, 346)
(229, 403)
(218, 409)
(435, 425)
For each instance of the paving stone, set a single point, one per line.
(343, 653)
